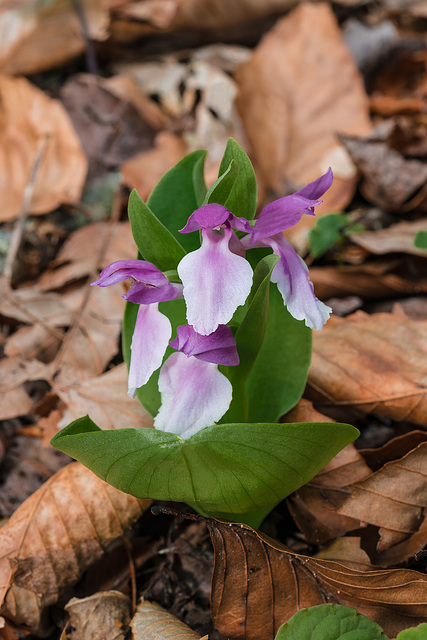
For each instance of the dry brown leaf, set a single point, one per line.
(27, 116)
(14, 400)
(45, 35)
(300, 89)
(54, 536)
(152, 622)
(105, 399)
(398, 238)
(258, 584)
(394, 498)
(347, 552)
(370, 280)
(99, 616)
(144, 170)
(373, 364)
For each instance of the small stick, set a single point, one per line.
(26, 201)
(91, 62)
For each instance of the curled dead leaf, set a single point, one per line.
(152, 622)
(54, 536)
(99, 616)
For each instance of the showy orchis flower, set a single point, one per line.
(194, 393)
(152, 329)
(217, 279)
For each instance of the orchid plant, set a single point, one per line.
(241, 320)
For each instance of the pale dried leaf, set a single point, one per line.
(14, 400)
(54, 536)
(99, 616)
(298, 91)
(375, 364)
(398, 238)
(152, 622)
(105, 399)
(347, 552)
(28, 116)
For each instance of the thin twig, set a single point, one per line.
(92, 65)
(25, 206)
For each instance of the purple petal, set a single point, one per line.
(216, 281)
(286, 212)
(194, 395)
(149, 284)
(207, 217)
(293, 282)
(150, 340)
(218, 347)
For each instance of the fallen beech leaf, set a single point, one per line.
(27, 116)
(398, 238)
(347, 552)
(152, 622)
(373, 364)
(370, 280)
(258, 585)
(393, 449)
(99, 616)
(393, 498)
(145, 170)
(45, 35)
(105, 399)
(54, 536)
(14, 400)
(300, 89)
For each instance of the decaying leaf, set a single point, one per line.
(152, 622)
(300, 89)
(99, 616)
(372, 364)
(53, 537)
(398, 238)
(258, 584)
(27, 116)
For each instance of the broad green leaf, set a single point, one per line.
(177, 194)
(330, 622)
(420, 240)
(242, 200)
(228, 468)
(414, 633)
(219, 192)
(149, 395)
(278, 378)
(155, 243)
(249, 337)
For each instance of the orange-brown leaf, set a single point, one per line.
(54, 536)
(258, 585)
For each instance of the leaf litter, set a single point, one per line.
(298, 94)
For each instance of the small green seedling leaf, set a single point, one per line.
(177, 194)
(226, 468)
(330, 622)
(414, 633)
(420, 241)
(242, 200)
(154, 241)
(328, 230)
(220, 191)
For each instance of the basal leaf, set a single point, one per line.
(330, 622)
(414, 633)
(178, 193)
(242, 200)
(149, 394)
(220, 191)
(229, 468)
(154, 241)
(278, 377)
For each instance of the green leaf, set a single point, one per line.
(177, 194)
(414, 633)
(249, 338)
(219, 192)
(330, 622)
(278, 378)
(420, 240)
(155, 243)
(242, 200)
(229, 468)
(149, 394)
(326, 232)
